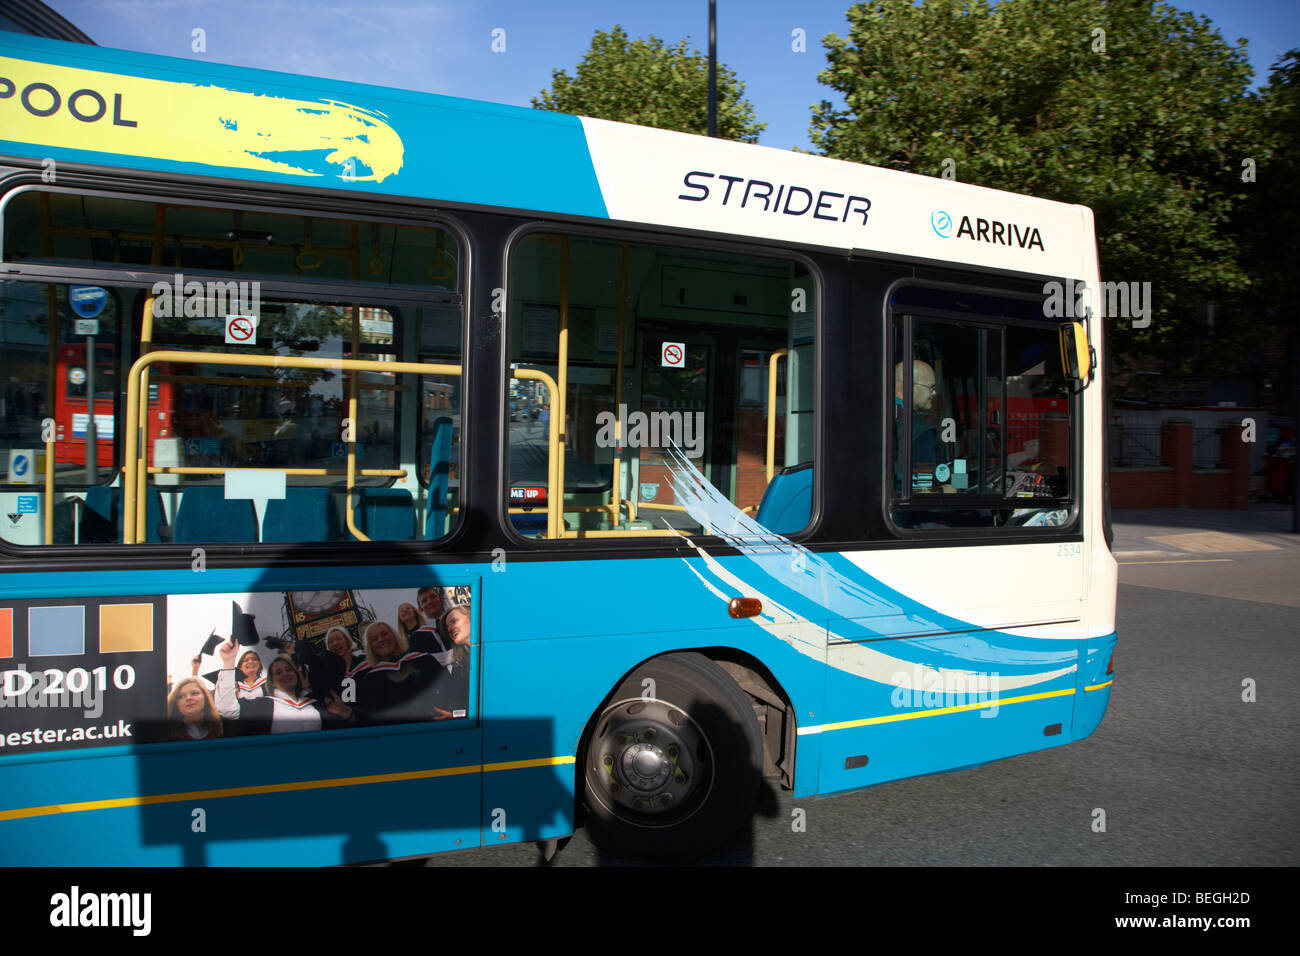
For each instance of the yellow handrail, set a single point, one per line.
(215, 470)
(771, 409)
(49, 484)
(349, 519)
(616, 485)
(142, 416)
(554, 491)
(136, 467)
(559, 407)
(348, 504)
(52, 318)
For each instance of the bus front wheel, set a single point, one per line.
(673, 761)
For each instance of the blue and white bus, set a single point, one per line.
(463, 473)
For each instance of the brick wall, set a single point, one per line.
(1176, 484)
(1141, 488)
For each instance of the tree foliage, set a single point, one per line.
(1140, 111)
(1270, 220)
(645, 82)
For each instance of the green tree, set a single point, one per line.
(647, 83)
(1266, 224)
(1270, 218)
(1139, 111)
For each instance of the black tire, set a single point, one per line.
(671, 776)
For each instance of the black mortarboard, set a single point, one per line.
(210, 645)
(241, 626)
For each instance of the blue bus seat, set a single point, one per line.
(101, 518)
(787, 503)
(435, 522)
(207, 515)
(303, 514)
(386, 514)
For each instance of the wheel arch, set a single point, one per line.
(772, 707)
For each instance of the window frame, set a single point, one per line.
(125, 295)
(908, 314)
(667, 240)
(362, 210)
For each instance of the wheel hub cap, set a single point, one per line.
(645, 767)
(651, 757)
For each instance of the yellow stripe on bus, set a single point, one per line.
(279, 788)
(936, 712)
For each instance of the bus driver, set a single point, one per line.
(930, 459)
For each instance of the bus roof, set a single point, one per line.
(89, 104)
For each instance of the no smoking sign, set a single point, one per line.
(673, 355)
(241, 330)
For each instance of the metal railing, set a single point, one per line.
(1206, 448)
(136, 470)
(1135, 446)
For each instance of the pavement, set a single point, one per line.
(1249, 555)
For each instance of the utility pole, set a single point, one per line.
(713, 68)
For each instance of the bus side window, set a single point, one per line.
(982, 420)
(684, 369)
(61, 376)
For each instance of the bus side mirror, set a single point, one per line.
(1076, 354)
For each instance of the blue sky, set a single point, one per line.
(446, 47)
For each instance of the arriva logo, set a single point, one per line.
(987, 230)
